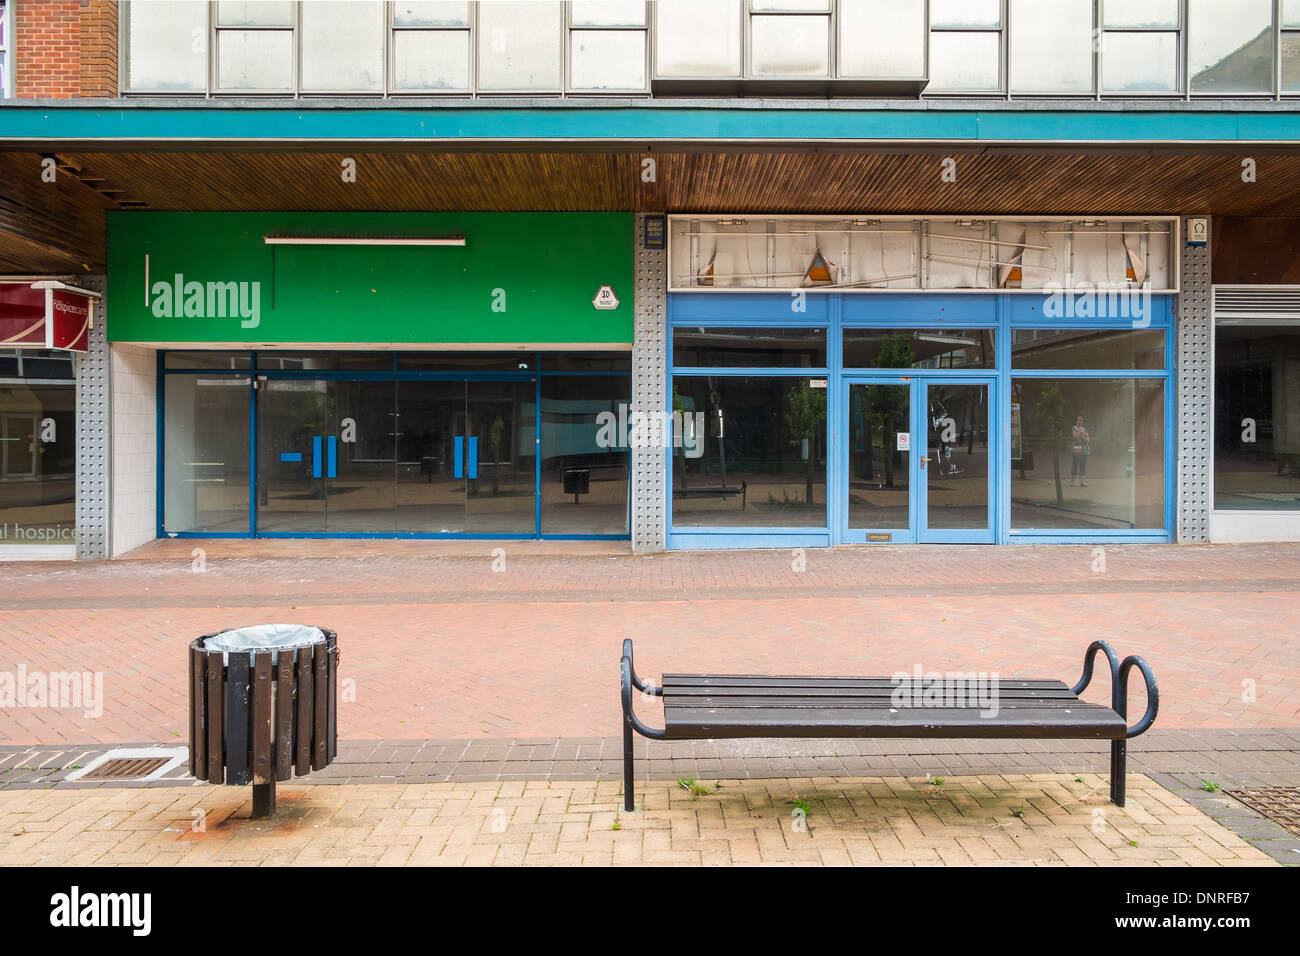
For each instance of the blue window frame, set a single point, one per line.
(1000, 312)
(246, 365)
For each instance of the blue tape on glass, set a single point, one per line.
(291, 456)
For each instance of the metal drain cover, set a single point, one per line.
(132, 763)
(126, 768)
(1279, 804)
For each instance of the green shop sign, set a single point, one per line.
(370, 278)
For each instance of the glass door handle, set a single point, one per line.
(332, 463)
(465, 459)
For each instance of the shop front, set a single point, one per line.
(405, 375)
(44, 326)
(920, 381)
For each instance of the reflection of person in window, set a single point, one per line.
(1080, 449)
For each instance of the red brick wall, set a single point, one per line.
(65, 48)
(98, 47)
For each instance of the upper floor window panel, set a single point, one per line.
(1230, 46)
(255, 48)
(1051, 47)
(1290, 46)
(608, 45)
(697, 39)
(851, 48)
(385, 47)
(882, 38)
(965, 46)
(166, 46)
(519, 46)
(848, 47)
(431, 47)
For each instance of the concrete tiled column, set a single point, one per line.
(649, 394)
(1195, 331)
(133, 447)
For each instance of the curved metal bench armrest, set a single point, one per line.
(637, 682)
(1153, 694)
(629, 714)
(1088, 657)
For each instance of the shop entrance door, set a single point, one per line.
(881, 507)
(366, 456)
(956, 500)
(467, 457)
(325, 456)
(919, 467)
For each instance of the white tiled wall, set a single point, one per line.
(133, 447)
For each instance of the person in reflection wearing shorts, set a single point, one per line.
(1080, 449)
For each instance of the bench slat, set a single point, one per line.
(682, 681)
(864, 693)
(1083, 721)
(864, 703)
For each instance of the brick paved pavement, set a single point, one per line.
(1027, 819)
(439, 646)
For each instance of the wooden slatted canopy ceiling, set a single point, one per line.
(59, 227)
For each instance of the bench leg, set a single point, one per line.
(629, 789)
(1118, 768)
(629, 794)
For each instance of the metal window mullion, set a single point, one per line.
(566, 47)
(473, 50)
(746, 12)
(1096, 39)
(651, 34)
(123, 68)
(296, 20)
(832, 30)
(388, 48)
(831, 62)
(1004, 50)
(1184, 59)
(212, 48)
(1277, 49)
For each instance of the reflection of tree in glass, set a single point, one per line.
(1050, 409)
(494, 439)
(888, 403)
(806, 420)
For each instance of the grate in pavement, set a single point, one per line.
(1279, 804)
(126, 764)
(126, 768)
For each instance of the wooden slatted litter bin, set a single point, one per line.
(263, 706)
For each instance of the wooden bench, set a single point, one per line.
(713, 706)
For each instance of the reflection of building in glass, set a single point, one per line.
(38, 434)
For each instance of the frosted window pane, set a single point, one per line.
(882, 38)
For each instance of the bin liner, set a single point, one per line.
(264, 637)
